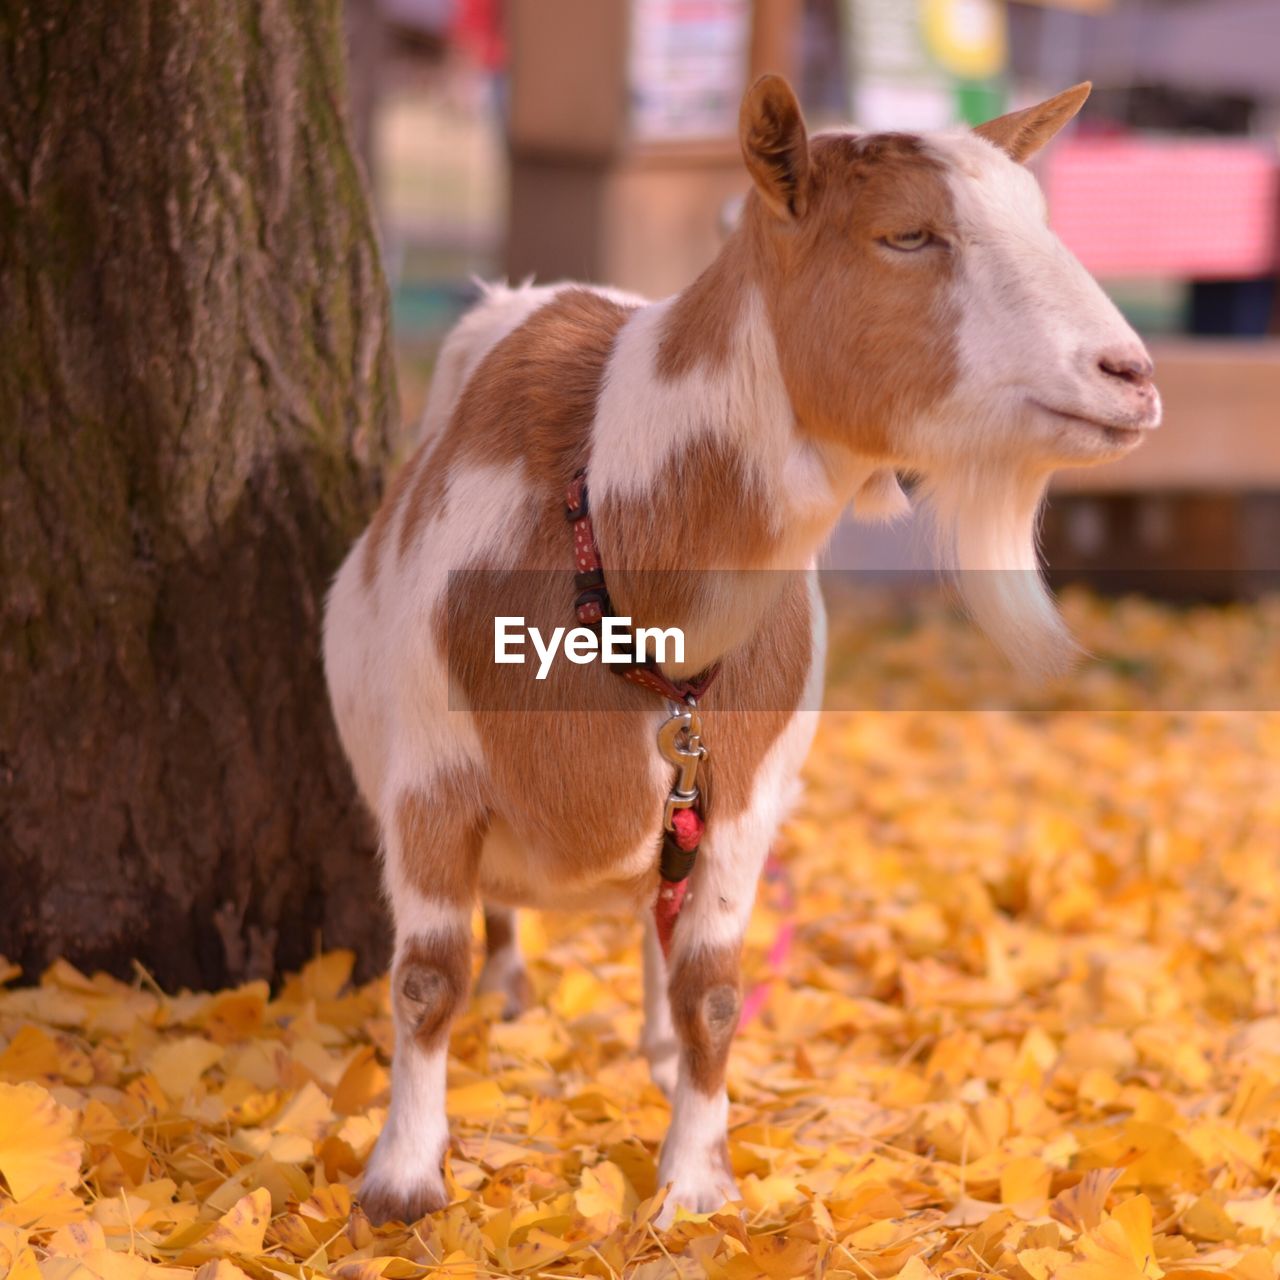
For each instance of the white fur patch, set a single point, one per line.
(410, 1149)
(658, 1039)
(723, 888)
(387, 677)
(1033, 322)
(880, 499)
(644, 421)
(1033, 326)
(690, 1160)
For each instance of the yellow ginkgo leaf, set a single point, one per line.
(291, 1232)
(108, 1264)
(1024, 1180)
(480, 1100)
(1080, 1207)
(76, 1239)
(1121, 1247)
(604, 1192)
(1207, 1220)
(178, 1064)
(320, 979)
(30, 1053)
(38, 1146)
(782, 1257)
(1260, 1212)
(1043, 1263)
(328, 1204)
(12, 1241)
(236, 1015)
(25, 1266)
(220, 1269)
(242, 1228)
(307, 1113)
(363, 1080)
(44, 1210)
(916, 1269)
(538, 1249)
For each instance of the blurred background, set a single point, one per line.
(202, 396)
(595, 139)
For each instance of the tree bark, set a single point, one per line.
(196, 396)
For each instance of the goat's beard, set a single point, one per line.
(985, 521)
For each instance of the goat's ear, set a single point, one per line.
(775, 145)
(1023, 133)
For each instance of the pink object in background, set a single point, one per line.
(1185, 209)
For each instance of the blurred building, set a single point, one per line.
(595, 139)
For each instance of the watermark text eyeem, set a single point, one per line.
(615, 642)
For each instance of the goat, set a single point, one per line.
(888, 302)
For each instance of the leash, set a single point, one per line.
(679, 736)
(777, 880)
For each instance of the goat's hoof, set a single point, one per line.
(513, 985)
(382, 1202)
(701, 1182)
(698, 1195)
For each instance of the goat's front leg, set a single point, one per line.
(432, 852)
(705, 994)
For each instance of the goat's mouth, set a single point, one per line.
(1122, 434)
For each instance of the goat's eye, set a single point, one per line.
(908, 241)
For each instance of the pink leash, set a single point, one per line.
(777, 877)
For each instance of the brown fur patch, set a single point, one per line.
(774, 148)
(430, 985)
(865, 334)
(699, 328)
(1022, 133)
(546, 383)
(584, 723)
(706, 1000)
(755, 697)
(532, 398)
(499, 930)
(439, 834)
(426, 498)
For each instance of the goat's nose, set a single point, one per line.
(1133, 367)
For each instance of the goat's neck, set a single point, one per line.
(698, 464)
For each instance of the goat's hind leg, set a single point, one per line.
(504, 969)
(432, 849)
(658, 1040)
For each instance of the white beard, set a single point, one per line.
(985, 524)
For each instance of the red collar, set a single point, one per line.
(592, 603)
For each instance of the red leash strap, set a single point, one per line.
(679, 852)
(683, 820)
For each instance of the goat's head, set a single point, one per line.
(926, 315)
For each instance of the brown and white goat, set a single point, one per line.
(889, 301)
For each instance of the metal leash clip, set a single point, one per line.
(680, 741)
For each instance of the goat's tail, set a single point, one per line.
(497, 311)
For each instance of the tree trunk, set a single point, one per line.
(196, 395)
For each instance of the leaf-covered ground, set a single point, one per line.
(1014, 1012)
